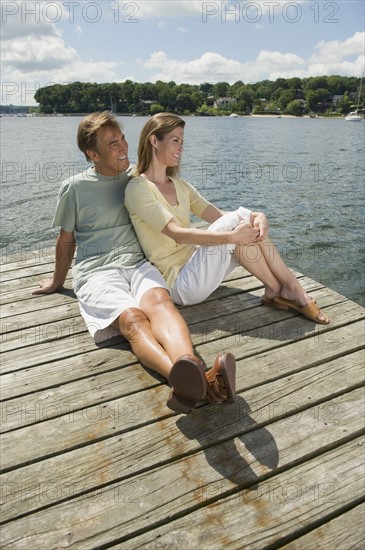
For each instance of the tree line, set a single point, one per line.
(294, 96)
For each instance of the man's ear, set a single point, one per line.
(92, 154)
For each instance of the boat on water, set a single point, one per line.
(354, 116)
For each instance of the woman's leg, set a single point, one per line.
(264, 262)
(207, 267)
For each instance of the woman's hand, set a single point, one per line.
(261, 223)
(245, 233)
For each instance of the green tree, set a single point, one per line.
(206, 89)
(184, 103)
(286, 97)
(156, 108)
(221, 89)
(295, 108)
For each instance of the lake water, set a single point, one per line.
(307, 175)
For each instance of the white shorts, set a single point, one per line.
(208, 266)
(108, 293)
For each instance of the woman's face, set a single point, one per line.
(169, 149)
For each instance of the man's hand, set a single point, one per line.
(65, 249)
(46, 286)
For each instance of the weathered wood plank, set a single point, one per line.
(32, 304)
(12, 273)
(254, 452)
(95, 365)
(60, 309)
(277, 508)
(41, 306)
(308, 491)
(345, 531)
(79, 420)
(97, 361)
(80, 426)
(18, 358)
(61, 322)
(15, 257)
(17, 303)
(21, 287)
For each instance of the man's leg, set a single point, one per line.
(171, 332)
(157, 333)
(167, 325)
(136, 328)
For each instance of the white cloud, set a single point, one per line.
(42, 53)
(213, 67)
(194, 71)
(339, 57)
(34, 53)
(328, 58)
(335, 50)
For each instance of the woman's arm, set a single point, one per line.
(257, 219)
(243, 234)
(212, 214)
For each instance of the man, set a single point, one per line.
(114, 284)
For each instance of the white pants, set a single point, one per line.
(208, 266)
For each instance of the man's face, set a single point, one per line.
(111, 155)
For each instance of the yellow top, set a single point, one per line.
(150, 212)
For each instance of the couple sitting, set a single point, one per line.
(114, 283)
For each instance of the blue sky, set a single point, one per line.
(190, 41)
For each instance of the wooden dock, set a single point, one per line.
(92, 458)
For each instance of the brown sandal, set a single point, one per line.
(222, 380)
(188, 382)
(310, 310)
(271, 302)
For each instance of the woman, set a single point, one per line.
(193, 261)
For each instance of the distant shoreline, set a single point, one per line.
(43, 115)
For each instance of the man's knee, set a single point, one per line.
(131, 322)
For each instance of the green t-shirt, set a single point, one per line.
(92, 207)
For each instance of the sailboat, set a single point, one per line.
(354, 115)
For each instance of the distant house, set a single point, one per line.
(224, 101)
(303, 103)
(336, 100)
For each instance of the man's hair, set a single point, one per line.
(88, 127)
(158, 125)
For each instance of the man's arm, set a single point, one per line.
(65, 250)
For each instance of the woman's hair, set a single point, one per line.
(88, 127)
(158, 125)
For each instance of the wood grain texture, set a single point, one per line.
(91, 456)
